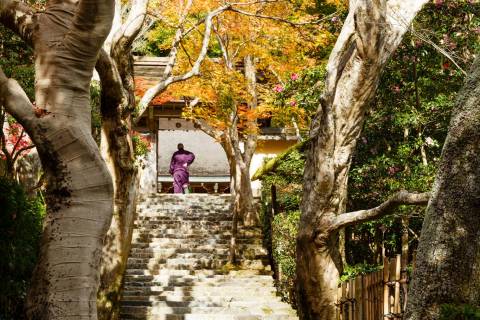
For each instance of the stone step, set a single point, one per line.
(195, 228)
(180, 234)
(224, 316)
(194, 241)
(203, 248)
(205, 272)
(137, 260)
(237, 291)
(192, 280)
(193, 264)
(196, 301)
(161, 310)
(251, 304)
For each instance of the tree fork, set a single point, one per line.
(369, 36)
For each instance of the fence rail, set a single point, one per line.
(375, 296)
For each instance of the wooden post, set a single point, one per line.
(364, 297)
(277, 271)
(359, 298)
(371, 293)
(351, 295)
(393, 269)
(273, 191)
(379, 293)
(398, 264)
(386, 305)
(339, 302)
(404, 274)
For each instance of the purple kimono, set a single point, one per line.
(181, 159)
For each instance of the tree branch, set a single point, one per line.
(18, 17)
(92, 18)
(168, 78)
(21, 150)
(400, 198)
(279, 19)
(16, 102)
(110, 78)
(172, 56)
(129, 31)
(212, 132)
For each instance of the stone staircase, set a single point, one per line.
(177, 268)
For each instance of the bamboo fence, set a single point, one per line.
(379, 295)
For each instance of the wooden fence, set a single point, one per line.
(378, 295)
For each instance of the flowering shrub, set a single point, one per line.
(141, 144)
(15, 141)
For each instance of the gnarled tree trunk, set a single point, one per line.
(372, 31)
(66, 38)
(448, 260)
(115, 67)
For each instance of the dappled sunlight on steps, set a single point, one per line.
(177, 265)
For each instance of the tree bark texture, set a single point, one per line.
(66, 37)
(115, 67)
(448, 259)
(371, 33)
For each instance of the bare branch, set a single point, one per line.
(168, 78)
(224, 49)
(187, 54)
(172, 56)
(282, 20)
(400, 198)
(438, 48)
(18, 17)
(21, 150)
(22, 133)
(216, 134)
(129, 31)
(16, 102)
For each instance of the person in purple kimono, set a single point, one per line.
(181, 159)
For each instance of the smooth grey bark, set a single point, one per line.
(66, 38)
(115, 67)
(371, 33)
(448, 259)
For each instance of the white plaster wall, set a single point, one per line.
(148, 171)
(210, 158)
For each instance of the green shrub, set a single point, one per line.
(20, 230)
(351, 272)
(284, 233)
(459, 312)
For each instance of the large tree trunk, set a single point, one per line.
(115, 67)
(246, 203)
(369, 36)
(118, 153)
(448, 259)
(66, 40)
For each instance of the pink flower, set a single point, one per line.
(396, 88)
(334, 19)
(294, 76)
(429, 141)
(438, 3)
(392, 171)
(278, 88)
(293, 103)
